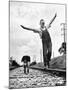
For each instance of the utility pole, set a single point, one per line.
(34, 57)
(41, 55)
(53, 54)
(64, 30)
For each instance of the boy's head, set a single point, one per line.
(42, 23)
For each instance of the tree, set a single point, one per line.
(62, 49)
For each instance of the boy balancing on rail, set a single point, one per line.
(46, 39)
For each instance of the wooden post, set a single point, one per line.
(34, 57)
(64, 31)
(41, 55)
(53, 54)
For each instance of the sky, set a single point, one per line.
(23, 42)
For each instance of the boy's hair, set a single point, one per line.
(42, 20)
(26, 57)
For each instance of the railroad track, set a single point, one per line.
(36, 78)
(60, 72)
(47, 69)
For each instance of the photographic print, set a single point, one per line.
(37, 44)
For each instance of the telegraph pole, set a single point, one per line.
(34, 58)
(64, 31)
(41, 55)
(53, 54)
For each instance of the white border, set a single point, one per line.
(4, 44)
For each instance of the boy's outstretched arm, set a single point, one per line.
(30, 29)
(52, 21)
